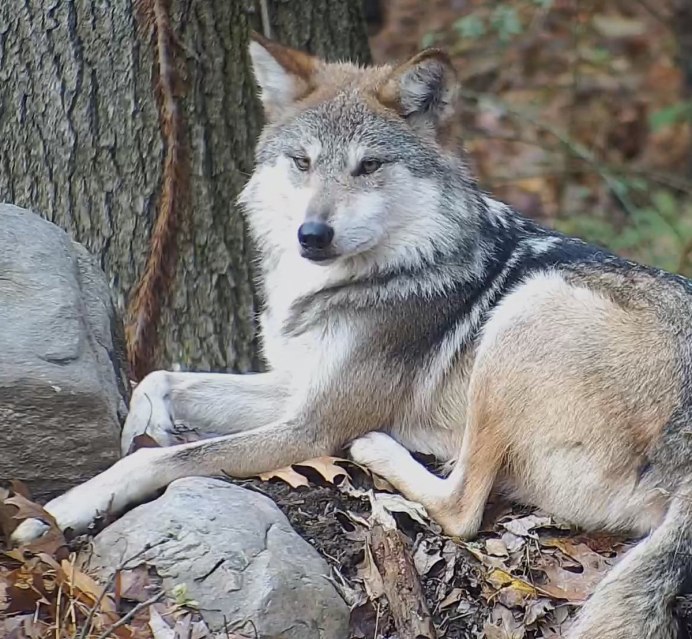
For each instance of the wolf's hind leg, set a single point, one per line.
(458, 501)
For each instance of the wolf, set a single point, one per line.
(407, 310)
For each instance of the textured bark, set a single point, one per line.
(80, 142)
(401, 583)
(682, 27)
(333, 29)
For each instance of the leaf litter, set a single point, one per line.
(523, 577)
(47, 592)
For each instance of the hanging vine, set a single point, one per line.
(150, 294)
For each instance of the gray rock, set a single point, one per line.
(238, 557)
(63, 389)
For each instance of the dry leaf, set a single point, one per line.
(501, 579)
(77, 580)
(425, 558)
(287, 474)
(496, 547)
(20, 488)
(452, 598)
(572, 586)
(7, 521)
(512, 542)
(370, 575)
(135, 584)
(394, 503)
(53, 541)
(142, 440)
(503, 625)
(159, 628)
(524, 526)
(326, 467)
(536, 610)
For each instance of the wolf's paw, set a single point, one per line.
(149, 413)
(128, 482)
(29, 530)
(379, 452)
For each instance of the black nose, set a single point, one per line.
(315, 235)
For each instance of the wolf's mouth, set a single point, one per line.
(319, 256)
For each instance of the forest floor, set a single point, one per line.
(523, 577)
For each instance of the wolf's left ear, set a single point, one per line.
(424, 89)
(284, 75)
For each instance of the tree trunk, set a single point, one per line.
(83, 142)
(332, 29)
(681, 23)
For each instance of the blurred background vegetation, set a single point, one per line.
(577, 112)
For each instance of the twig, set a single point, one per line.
(401, 584)
(89, 622)
(138, 608)
(266, 22)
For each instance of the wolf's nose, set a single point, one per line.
(315, 235)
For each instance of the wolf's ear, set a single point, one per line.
(284, 75)
(422, 90)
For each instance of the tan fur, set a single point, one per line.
(567, 377)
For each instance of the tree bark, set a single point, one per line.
(81, 143)
(332, 29)
(681, 24)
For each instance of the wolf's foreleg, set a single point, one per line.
(176, 407)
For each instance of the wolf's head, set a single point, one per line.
(354, 164)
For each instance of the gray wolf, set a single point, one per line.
(406, 310)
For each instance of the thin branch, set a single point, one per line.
(138, 608)
(264, 16)
(89, 622)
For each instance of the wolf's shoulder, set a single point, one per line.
(539, 249)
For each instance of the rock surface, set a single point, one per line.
(63, 389)
(238, 557)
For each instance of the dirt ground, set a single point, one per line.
(532, 593)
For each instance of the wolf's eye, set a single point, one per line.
(366, 167)
(302, 164)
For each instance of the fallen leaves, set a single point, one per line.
(522, 577)
(298, 475)
(529, 571)
(16, 507)
(44, 592)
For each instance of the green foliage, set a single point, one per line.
(581, 151)
(471, 27)
(505, 21)
(670, 115)
(658, 232)
(430, 39)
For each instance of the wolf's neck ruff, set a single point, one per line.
(467, 277)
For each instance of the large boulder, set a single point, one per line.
(63, 389)
(237, 555)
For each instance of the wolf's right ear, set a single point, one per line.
(423, 90)
(284, 75)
